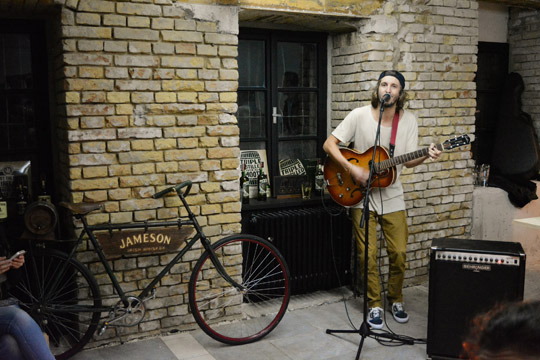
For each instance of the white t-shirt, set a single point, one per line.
(360, 127)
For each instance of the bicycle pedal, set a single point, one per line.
(152, 296)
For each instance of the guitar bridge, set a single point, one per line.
(340, 180)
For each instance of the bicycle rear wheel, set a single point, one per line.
(63, 298)
(239, 317)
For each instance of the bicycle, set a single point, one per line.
(235, 301)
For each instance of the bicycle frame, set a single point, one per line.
(191, 221)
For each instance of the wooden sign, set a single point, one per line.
(141, 241)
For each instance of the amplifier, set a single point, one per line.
(468, 277)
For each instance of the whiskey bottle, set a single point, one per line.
(244, 186)
(44, 196)
(21, 201)
(268, 191)
(262, 180)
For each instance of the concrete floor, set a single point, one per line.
(302, 333)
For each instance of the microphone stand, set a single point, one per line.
(365, 329)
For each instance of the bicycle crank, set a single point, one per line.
(125, 316)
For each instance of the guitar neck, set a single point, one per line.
(401, 159)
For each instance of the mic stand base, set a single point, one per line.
(365, 331)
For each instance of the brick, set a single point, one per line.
(225, 39)
(139, 133)
(185, 154)
(145, 168)
(162, 120)
(140, 156)
(114, 20)
(93, 147)
(138, 21)
(139, 60)
(184, 132)
(139, 47)
(141, 180)
(176, 85)
(166, 167)
(118, 97)
(87, 32)
(94, 184)
(96, 6)
(162, 97)
(138, 9)
(162, 24)
(90, 134)
(184, 36)
(139, 97)
(182, 62)
(90, 45)
(116, 121)
(142, 144)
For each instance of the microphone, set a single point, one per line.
(385, 98)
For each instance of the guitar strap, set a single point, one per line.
(394, 132)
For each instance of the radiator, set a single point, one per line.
(310, 239)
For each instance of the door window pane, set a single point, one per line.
(297, 64)
(251, 63)
(299, 110)
(251, 114)
(306, 149)
(15, 62)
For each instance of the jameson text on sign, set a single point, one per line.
(143, 241)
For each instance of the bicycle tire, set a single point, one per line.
(62, 296)
(223, 312)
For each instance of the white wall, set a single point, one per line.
(492, 22)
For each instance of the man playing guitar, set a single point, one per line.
(387, 204)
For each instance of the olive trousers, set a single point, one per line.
(396, 233)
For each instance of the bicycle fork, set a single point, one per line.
(219, 267)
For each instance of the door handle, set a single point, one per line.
(275, 115)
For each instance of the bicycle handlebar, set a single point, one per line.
(176, 188)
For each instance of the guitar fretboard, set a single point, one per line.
(401, 159)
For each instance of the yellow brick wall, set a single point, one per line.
(146, 97)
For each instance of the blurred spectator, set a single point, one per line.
(20, 336)
(510, 331)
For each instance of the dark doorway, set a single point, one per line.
(24, 104)
(25, 137)
(490, 77)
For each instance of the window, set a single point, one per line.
(282, 95)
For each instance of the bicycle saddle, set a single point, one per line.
(81, 208)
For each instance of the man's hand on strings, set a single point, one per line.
(358, 174)
(433, 152)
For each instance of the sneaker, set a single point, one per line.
(399, 313)
(375, 318)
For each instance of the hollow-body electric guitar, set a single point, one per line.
(345, 191)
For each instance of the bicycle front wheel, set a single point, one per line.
(62, 296)
(235, 316)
